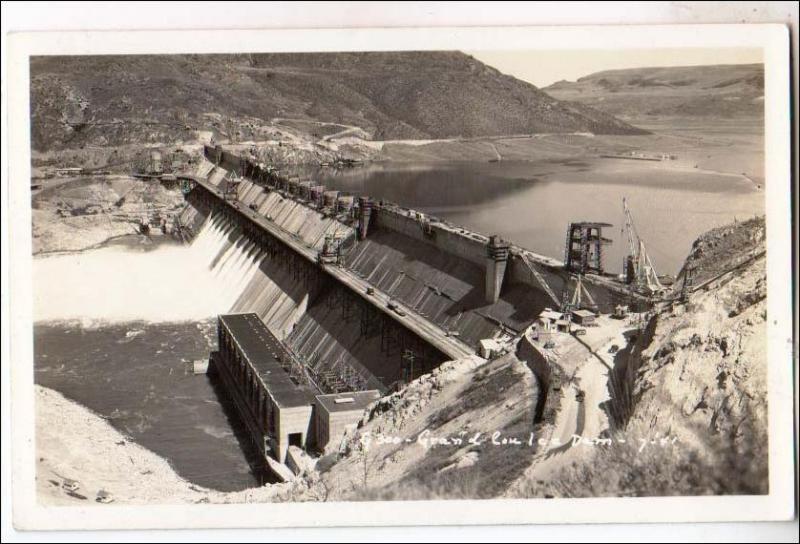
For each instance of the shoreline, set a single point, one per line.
(75, 443)
(147, 241)
(100, 245)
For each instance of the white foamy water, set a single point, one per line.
(170, 283)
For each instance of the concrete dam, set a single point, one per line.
(397, 283)
(362, 295)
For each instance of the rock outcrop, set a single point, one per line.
(695, 413)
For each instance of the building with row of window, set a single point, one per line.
(278, 410)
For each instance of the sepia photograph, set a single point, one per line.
(480, 272)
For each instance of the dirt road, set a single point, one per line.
(587, 361)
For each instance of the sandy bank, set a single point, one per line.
(74, 443)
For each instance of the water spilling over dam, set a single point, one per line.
(379, 290)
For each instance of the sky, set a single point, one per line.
(543, 68)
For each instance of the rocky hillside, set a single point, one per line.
(414, 444)
(80, 213)
(694, 91)
(436, 439)
(699, 380)
(113, 100)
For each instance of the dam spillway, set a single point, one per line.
(402, 293)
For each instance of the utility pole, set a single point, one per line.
(408, 357)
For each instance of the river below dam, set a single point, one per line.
(115, 333)
(114, 325)
(133, 375)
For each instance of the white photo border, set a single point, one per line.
(777, 505)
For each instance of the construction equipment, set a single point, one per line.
(583, 250)
(576, 301)
(539, 278)
(638, 267)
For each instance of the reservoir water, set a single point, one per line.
(531, 203)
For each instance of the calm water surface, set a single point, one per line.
(531, 203)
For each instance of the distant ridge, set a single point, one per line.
(112, 100)
(728, 91)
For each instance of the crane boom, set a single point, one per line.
(644, 272)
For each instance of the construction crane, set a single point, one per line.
(638, 268)
(576, 302)
(231, 184)
(539, 278)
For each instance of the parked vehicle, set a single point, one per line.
(104, 497)
(395, 308)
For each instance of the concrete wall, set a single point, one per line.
(536, 361)
(290, 421)
(467, 245)
(518, 272)
(332, 426)
(454, 243)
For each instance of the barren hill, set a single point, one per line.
(724, 90)
(112, 100)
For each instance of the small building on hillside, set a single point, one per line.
(336, 413)
(490, 348)
(548, 319)
(583, 317)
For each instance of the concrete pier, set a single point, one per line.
(364, 215)
(496, 262)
